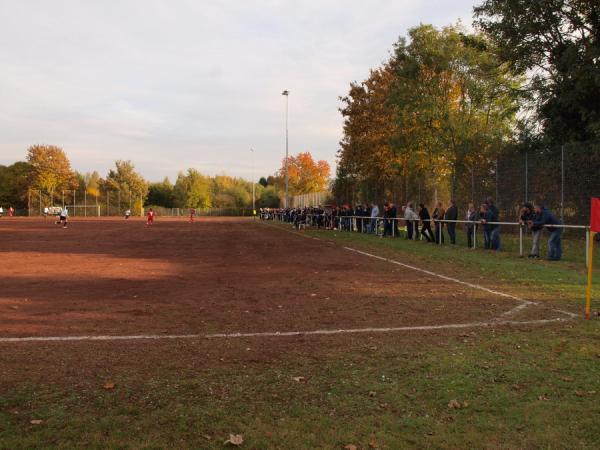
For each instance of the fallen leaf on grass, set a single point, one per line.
(235, 439)
(373, 444)
(568, 379)
(36, 422)
(350, 447)
(584, 393)
(454, 404)
(298, 379)
(109, 385)
(372, 393)
(543, 398)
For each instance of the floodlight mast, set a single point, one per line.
(253, 185)
(286, 93)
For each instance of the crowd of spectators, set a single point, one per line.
(419, 224)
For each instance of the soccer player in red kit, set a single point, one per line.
(192, 214)
(150, 217)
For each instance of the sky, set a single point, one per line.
(175, 84)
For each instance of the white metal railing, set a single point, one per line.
(349, 223)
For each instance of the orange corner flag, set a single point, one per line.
(595, 215)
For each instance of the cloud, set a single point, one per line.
(177, 84)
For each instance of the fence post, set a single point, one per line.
(520, 241)
(587, 247)
(74, 201)
(474, 236)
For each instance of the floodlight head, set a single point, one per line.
(286, 93)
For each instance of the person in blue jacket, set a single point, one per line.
(544, 218)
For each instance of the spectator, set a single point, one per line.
(374, 216)
(358, 212)
(526, 218)
(393, 214)
(471, 217)
(543, 217)
(438, 215)
(412, 221)
(426, 223)
(452, 214)
(485, 217)
(495, 228)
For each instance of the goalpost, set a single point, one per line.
(84, 210)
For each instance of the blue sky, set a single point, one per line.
(183, 83)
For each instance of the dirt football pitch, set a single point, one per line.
(213, 276)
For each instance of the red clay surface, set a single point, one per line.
(217, 275)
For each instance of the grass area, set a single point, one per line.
(517, 388)
(523, 389)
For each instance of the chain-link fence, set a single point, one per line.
(83, 203)
(563, 178)
(311, 199)
(111, 203)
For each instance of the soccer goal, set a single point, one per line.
(84, 210)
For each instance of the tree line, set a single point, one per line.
(47, 170)
(435, 117)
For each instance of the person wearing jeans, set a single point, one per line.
(471, 217)
(438, 216)
(451, 214)
(412, 221)
(527, 218)
(544, 218)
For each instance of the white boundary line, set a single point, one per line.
(491, 323)
(277, 333)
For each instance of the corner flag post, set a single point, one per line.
(588, 299)
(594, 228)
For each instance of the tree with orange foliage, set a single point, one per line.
(305, 174)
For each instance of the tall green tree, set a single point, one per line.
(557, 44)
(441, 104)
(14, 183)
(50, 169)
(125, 179)
(161, 194)
(193, 190)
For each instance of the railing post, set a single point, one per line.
(587, 247)
(520, 241)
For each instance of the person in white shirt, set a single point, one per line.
(412, 221)
(1, 211)
(374, 216)
(64, 214)
(127, 214)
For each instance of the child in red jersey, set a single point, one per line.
(192, 214)
(150, 217)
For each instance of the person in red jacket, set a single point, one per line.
(192, 214)
(150, 217)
